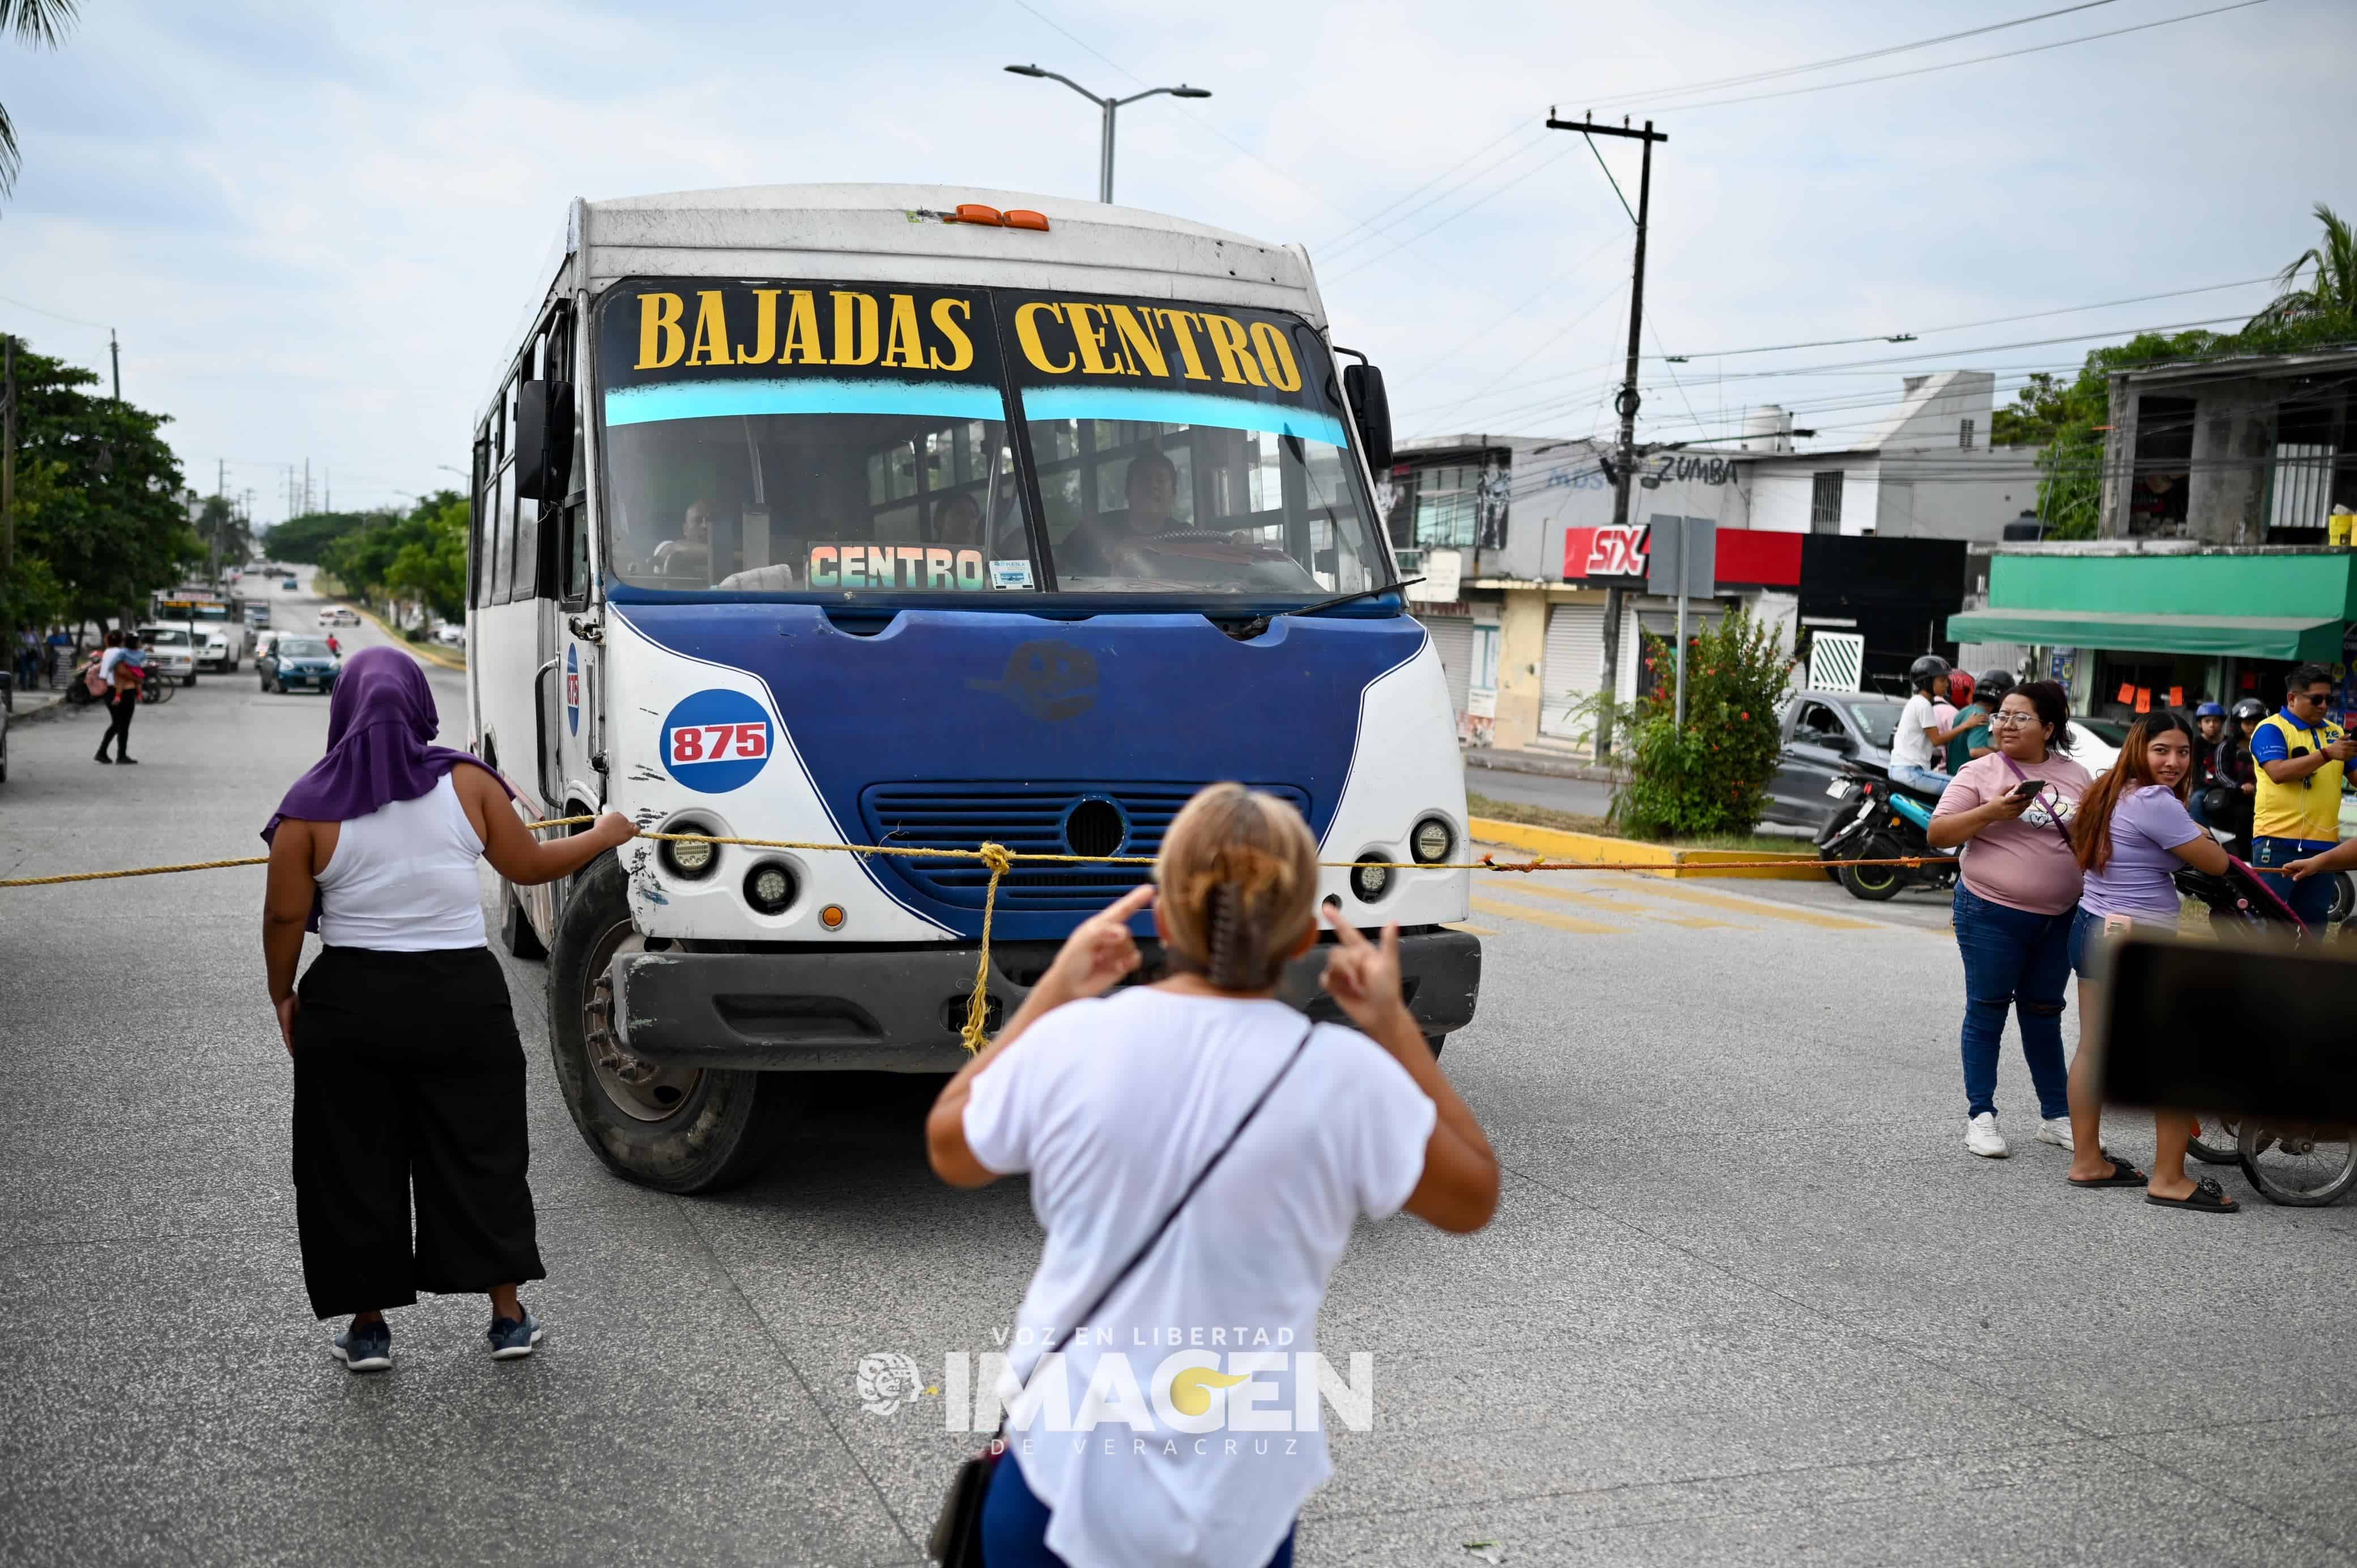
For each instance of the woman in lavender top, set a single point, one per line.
(2131, 834)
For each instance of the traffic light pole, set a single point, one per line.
(1626, 404)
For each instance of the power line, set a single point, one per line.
(1690, 87)
(55, 316)
(1652, 94)
(1848, 365)
(1962, 325)
(1951, 65)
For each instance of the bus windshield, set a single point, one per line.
(854, 439)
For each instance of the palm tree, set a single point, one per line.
(2331, 291)
(35, 22)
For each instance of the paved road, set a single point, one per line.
(1746, 1299)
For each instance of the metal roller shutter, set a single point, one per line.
(1574, 666)
(1452, 638)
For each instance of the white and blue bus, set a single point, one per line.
(899, 515)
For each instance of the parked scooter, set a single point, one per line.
(1877, 820)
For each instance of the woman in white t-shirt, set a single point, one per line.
(1170, 1430)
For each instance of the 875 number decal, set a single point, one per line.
(717, 741)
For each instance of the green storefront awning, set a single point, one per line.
(2250, 637)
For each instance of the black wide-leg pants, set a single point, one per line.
(121, 707)
(409, 1079)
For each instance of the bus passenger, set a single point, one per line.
(1199, 1152)
(1151, 488)
(957, 522)
(408, 1074)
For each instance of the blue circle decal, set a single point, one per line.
(573, 688)
(717, 741)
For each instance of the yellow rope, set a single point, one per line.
(137, 871)
(977, 1007)
(1000, 860)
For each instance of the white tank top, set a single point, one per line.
(403, 879)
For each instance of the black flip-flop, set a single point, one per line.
(2206, 1197)
(2122, 1174)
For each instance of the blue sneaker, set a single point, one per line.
(366, 1347)
(510, 1339)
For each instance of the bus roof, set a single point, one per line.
(895, 233)
(881, 232)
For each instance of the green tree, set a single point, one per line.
(99, 493)
(431, 564)
(226, 536)
(2331, 292)
(1709, 775)
(36, 23)
(302, 538)
(420, 557)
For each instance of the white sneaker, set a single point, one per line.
(2056, 1130)
(1981, 1138)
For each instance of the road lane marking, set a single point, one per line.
(1615, 907)
(1764, 907)
(1468, 927)
(1546, 917)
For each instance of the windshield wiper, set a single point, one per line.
(1245, 631)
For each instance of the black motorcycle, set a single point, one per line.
(1877, 820)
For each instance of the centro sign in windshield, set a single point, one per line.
(852, 439)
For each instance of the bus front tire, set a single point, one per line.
(680, 1130)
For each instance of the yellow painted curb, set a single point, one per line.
(1661, 860)
(425, 651)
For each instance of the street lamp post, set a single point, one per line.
(1110, 106)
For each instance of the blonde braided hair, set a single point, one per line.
(1238, 874)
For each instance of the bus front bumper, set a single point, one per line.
(899, 1009)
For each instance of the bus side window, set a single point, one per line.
(524, 584)
(477, 503)
(502, 538)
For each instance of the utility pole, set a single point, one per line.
(1625, 405)
(114, 352)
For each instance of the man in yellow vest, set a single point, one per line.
(2296, 813)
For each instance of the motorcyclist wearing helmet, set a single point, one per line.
(1911, 746)
(2226, 803)
(2209, 733)
(1971, 736)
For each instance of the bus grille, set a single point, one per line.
(1125, 819)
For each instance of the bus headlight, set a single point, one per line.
(769, 886)
(689, 860)
(1432, 840)
(1370, 879)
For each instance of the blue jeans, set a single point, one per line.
(2311, 900)
(2019, 962)
(1014, 1524)
(2086, 925)
(1918, 777)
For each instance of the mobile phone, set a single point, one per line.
(2027, 788)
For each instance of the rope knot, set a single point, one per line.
(998, 857)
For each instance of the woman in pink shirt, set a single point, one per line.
(2021, 881)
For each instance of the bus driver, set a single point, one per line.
(690, 553)
(1152, 489)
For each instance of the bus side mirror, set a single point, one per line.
(1363, 385)
(543, 439)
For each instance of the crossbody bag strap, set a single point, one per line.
(1209, 1165)
(2053, 817)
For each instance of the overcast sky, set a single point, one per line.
(313, 225)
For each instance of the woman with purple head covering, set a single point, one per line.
(408, 1074)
